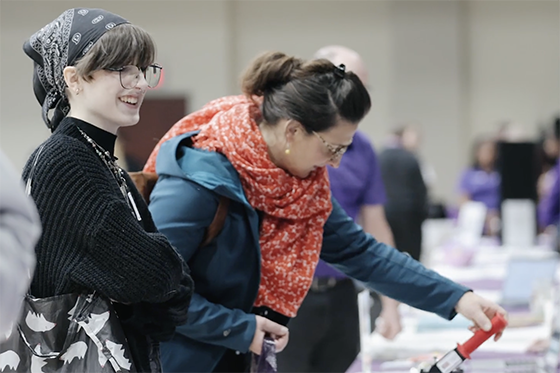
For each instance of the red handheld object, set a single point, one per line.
(498, 324)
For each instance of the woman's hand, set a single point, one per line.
(278, 332)
(479, 310)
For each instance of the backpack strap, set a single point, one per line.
(145, 182)
(217, 224)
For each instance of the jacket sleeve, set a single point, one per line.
(348, 248)
(117, 257)
(182, 210)
(20, 228)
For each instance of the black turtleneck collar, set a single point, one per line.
(103, 138)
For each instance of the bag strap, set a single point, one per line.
(217, 224)
(145, 182)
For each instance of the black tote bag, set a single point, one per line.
(66, 333)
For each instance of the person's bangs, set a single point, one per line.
(128, 45)
(124, 45)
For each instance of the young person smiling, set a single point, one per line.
(98, 234)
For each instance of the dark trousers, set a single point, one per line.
(324, 336)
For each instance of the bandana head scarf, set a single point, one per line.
(59, 44)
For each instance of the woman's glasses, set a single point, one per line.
(130, 75)
(336, 150)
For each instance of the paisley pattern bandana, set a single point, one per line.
(59, 44)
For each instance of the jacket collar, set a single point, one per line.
(211, 170)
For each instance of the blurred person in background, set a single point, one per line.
(549, 199)
(481, 182)
(407, 195)
(20, 229)
(549, 151)
(410, 139)
(324, 337)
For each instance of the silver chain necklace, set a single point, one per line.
(116, 171)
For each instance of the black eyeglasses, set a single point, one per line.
(130, 75)
(336, 150)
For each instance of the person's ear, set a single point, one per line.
(72, 79)
(293, 129)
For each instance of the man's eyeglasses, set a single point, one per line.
(130, 75)
(336, 150)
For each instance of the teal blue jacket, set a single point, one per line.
(227, 271)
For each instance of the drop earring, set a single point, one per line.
(287, 151)
(77, 91)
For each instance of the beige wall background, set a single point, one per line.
(455, 68)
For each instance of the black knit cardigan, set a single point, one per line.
(91, 240)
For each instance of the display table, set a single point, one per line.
(426, 335)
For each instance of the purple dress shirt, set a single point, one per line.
(481, 186)
(355, 183)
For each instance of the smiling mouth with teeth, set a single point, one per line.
(129, 100)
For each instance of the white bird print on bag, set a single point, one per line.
(38, 323)
(117, 351)
(76, 350)
(37, 363)
(98, 321)
(9, 359)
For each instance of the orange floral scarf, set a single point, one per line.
(295, 210)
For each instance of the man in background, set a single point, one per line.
(407, 196)
(324, 336)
